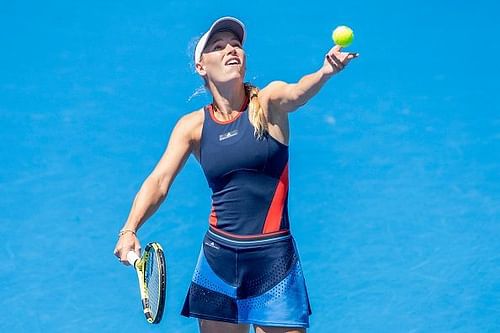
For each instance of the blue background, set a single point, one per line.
(394, 167)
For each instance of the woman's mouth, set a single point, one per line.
(233, 62)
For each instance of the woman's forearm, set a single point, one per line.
(309, 85)
(146, 202)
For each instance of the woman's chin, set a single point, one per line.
(233, 75)
(234, 71)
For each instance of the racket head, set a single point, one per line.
(155, 282)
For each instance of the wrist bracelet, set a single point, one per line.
(124, 231)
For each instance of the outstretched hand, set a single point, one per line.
(336, 60)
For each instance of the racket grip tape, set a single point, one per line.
(132, 257)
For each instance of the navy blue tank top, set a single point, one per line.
(248, 177)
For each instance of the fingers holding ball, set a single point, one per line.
(342, 36)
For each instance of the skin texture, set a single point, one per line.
(225, 82)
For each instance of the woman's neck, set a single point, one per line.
(229, 98)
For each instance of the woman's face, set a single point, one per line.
(223, 58)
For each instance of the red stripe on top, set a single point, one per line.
(275, 213)
(213, 217)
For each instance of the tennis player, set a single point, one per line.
(248, 271)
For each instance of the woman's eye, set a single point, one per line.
(217, 48)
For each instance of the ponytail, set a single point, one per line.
(255, 112)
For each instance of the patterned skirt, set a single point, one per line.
(249, 280)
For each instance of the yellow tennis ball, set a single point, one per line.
(343, 36)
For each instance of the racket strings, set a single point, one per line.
(153, 282)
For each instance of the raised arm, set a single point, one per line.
(289, 97)
(156, 186)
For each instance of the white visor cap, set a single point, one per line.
(224, 23)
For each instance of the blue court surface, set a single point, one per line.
(394, 166)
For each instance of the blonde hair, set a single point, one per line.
(255, 112)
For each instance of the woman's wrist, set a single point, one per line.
(327, 72)
(126, 230)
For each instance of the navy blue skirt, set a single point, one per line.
(252, 281)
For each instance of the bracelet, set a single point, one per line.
(124, 231)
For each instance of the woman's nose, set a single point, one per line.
(230, 48)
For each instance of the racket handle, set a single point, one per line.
(132, 257)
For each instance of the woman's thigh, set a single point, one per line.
(269, 329)
(212, 326)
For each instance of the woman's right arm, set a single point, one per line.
(156, 186)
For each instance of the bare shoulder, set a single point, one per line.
(274, 85)
(268, 91)
(269, 102)
(281, 96)
(190, 124)
(192, 118)
(275, 96)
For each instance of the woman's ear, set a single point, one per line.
(200, 69)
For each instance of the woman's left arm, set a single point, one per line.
(288, 97)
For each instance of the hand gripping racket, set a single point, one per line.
(152, 273)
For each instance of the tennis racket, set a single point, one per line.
(152, 273)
